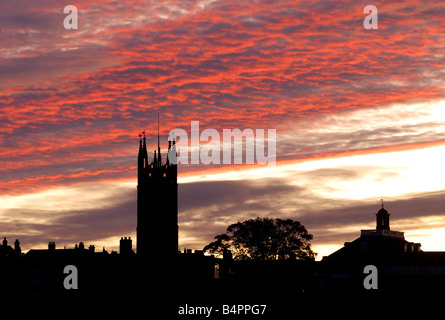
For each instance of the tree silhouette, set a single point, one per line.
(264, 239)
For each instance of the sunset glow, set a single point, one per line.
(359, 115)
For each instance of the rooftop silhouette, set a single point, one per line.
(158, 269)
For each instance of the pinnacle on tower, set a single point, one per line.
(159, 148)
(157, 205)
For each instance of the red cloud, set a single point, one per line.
(229, 64)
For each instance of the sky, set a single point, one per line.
(359, 116)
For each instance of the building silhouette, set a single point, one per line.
(378, 244)
(6, 250)
(157, 275)
(404, 271)
(157, 204)
(126, 246)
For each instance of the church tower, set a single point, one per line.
(157, 204)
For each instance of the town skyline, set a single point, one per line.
(359, 115)
(113, 246)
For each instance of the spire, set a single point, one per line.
(143, 151)
(168, 152)
(145, 144)
(159, 148)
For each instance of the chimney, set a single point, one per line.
(51, 246)
(125, 246)
(17, 248)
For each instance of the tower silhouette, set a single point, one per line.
(382, 219)
(157, 204)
